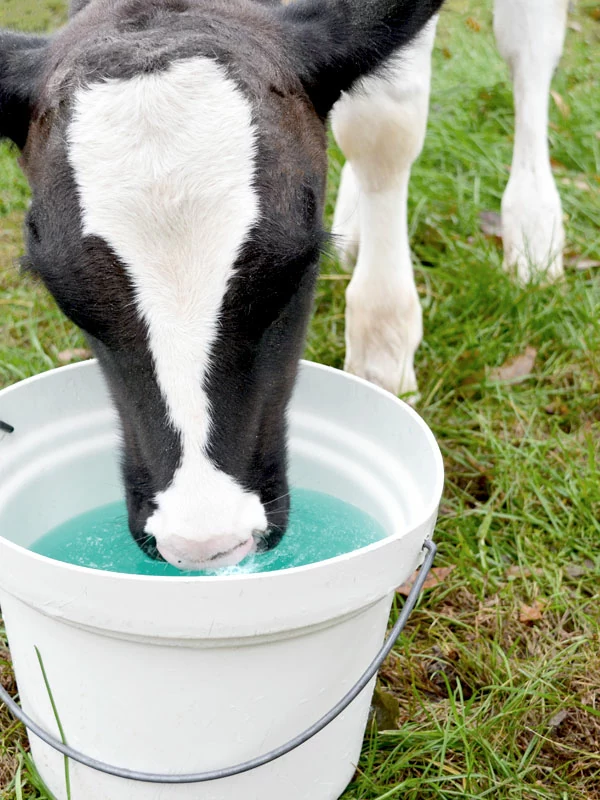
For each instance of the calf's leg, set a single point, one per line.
(380, 126)
(530, 36)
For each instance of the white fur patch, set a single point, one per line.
(165, 168)
(530, 37)
(381, 128)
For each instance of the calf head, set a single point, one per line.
(176, 153)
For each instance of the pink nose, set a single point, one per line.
(222, 551)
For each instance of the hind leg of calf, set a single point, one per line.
(381, 129)
(530, 36)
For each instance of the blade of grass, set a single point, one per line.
(58, 721)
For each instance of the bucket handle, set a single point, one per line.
(228, 772)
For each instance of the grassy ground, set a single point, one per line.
(495, 689)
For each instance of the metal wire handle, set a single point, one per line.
(238, 769)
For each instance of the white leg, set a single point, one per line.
(530, 35)
(346, 224)
(381, 129)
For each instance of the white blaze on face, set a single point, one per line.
(165, 167)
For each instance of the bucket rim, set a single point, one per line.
(430, 505)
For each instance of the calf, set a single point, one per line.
(176, 152)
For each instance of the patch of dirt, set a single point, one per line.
(474, 482)
(8, 768)
(6, 674)
(571, 736)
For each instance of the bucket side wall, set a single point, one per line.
(186, 709)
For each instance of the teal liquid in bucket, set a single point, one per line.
(321, 527)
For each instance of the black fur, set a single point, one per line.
(292, 64)
(21, 62)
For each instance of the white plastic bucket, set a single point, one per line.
(182, 675)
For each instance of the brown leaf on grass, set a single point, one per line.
(516, 369)
(522, 572)
(530, 614)
(575, 571)
(557, 720)
(446, 53)
(436, 577)
(77, 354)
(576, 262)
(472, 23)
(490, 223)
(561, 104)
(580, 182)
(595, 14)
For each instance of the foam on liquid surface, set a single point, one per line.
(321, 527)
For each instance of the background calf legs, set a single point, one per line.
(530, 36)
(381, 127)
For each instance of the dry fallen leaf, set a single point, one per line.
(437, 576)
(522, 572)
(517, 572)
(575, 571)
(580, 183)
(490, 223)
(77, 354)
(473, 24)
(561, 104)
(582, 263)
(532, 613)
(516, 369)
(558, 719)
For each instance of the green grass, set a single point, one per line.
(480, 693)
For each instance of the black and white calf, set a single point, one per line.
(176, 151)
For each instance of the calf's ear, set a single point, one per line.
(336, 42)
(21, 68)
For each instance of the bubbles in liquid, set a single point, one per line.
(321, 527)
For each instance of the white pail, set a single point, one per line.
(182, 675)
